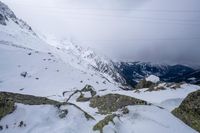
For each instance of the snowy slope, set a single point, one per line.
(58, 66)
(41, 119)
(46, 67)
(169, 98)
(84, 58)
(141, 119)
(54, 75)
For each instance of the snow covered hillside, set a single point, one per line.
(58, 66)
(87, 88)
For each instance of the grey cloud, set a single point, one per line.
(149, 30)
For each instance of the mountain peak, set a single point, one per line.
(6, 15)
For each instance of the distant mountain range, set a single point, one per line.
(135, 71)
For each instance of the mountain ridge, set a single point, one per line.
(136, 71)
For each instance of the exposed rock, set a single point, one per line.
(7, 106)
(21, 89)
(112, 102)
(63, 113)
(27, 99)
(125, 110)
(24, 74)
(8, 100)
(126, 88)
(189, 110)
(145, 84)
(101, 124)
(8, 15)
(156, 88)
(82, 98)
(1, 127)
(2, 20)
(137, 91)
(176, 85)
(22, 124)
(89, 88)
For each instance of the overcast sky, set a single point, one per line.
(147, 30)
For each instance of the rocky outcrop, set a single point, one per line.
(189, 110)
(86, 89)
(151, 86)
(82, 98)
(101, 124)
(112, 102)
(27, 99)
(7, 106)
(145, 84)
(2, 19)
(8, 100)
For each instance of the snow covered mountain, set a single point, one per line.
(85, 58)
(6, 15)
(22, 51)
(135, 71)
(193, 77)
(57, 86)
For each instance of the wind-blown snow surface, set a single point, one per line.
(169, 98)
(141, 119)
(53, 69)
(43, 119)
